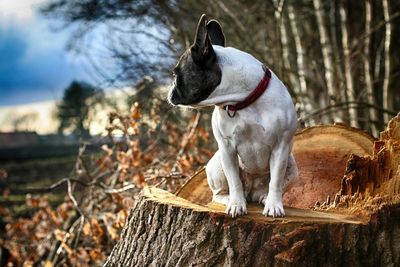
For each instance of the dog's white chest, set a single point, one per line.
(251, 141)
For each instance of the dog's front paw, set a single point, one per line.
(273, 205)
(236, 206)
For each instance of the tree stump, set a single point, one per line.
(342, 210)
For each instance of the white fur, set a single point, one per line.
(254, 159)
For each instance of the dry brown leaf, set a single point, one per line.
(135, 111)
(97, 231)
(87, 229)
(139, 180)
(97, 256)
(80, 258)
(28, 263)
(60, 235)
(121, 218)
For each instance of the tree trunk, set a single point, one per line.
(387, 97)
(350, 90)
(284, 43)
(353, 219)
(327, 58)
(277, 60)
(337, 56)
(373, 113)
(306, 102)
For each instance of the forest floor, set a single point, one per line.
(33, 173)
(46, 165)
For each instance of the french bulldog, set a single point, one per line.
(254, 161)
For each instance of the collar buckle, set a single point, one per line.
(231, 114)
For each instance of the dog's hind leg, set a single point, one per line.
(259, 188)
(216, 180)
(291, 170)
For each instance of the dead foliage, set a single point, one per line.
(146, 149)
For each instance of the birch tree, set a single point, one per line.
(289, 71)
(327, 57)
(351, 94)
(306, 104)
(387, 97)
(373, 114)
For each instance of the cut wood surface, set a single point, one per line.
(351, 182)
(254, 210)
(321, 153)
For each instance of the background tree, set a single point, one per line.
(73, 111)
(23, 122)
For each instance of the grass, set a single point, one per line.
(37, 172)
(34, 173)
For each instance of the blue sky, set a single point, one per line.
(34, 65)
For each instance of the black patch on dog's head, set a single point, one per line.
(197, 73)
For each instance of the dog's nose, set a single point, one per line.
(173, 97)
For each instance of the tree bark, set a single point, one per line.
(387, 97)
(358, 226)
(373, 113)
(327, 57)
(163, 230)
(284, 42)
(306, 102)
(351, 94)
(337, 55)
(278, 9)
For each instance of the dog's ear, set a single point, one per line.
(202, 50)
(215, 33)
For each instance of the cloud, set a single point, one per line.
(18, 10)
(34, 65)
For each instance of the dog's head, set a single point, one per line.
(197, 73)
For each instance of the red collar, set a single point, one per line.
(252, 97)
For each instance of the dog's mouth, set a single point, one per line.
(176, 98)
